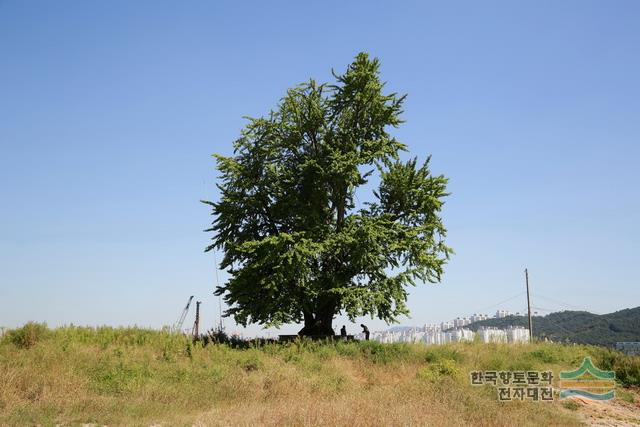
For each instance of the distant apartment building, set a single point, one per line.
(458, 335)
(478, 317)
(502, 313)
(460, 322)
(431, 328)
(446, 325)
(412, 336)
(630, 348)
(434, 338)
(441, 337)
(455, 331)
(492, 335)
(517, 334)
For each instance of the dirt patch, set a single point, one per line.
(617, 412)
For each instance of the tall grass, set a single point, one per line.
(132, 376)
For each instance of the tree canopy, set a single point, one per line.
(297, 243)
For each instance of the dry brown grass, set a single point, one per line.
(381, 395)
(133, 377)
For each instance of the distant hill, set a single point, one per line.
(579, 327)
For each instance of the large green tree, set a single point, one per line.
(297, 243)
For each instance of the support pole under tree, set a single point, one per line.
(221, 324)
(196, 324)
(526, 276)
(221, 327)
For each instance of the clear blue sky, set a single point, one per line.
(109, 112)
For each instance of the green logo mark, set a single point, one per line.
(588, 381)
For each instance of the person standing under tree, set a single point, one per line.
(343, 331)
(365, 331)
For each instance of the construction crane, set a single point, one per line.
(178, 326)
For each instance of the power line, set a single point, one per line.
(566, 305)
(502, 302)
(548, 319)
(550, 310)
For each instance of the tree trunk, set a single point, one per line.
(318, 324)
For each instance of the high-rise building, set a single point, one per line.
(502, 313)
(517, 334)
(478, 317)
(446, 325)
(492, 335)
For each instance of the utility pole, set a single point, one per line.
(526, 276)
(196, 324)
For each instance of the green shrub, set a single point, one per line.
(434, 372)
(625, 396)
(385, 353)
(251, 360)
(347, 349)
(544, 355)
(28, 335)
(571, 405)
(114, 377)
(627, 368)
(437, 353)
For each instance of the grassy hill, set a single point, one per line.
(579, 327)
(106, 376)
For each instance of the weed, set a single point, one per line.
(571, 404)
(544, 355)
(625, 396)
(28, 335)
(436, 371)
